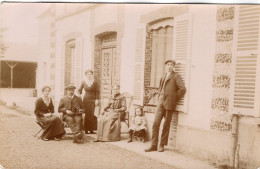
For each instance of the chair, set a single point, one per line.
(129, 99)
(42, 128)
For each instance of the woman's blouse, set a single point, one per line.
(118, 102)
(41, 108)
(91, 92)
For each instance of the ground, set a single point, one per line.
(20, 149)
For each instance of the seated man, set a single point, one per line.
(71, 107)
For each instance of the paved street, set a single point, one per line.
(19, 149)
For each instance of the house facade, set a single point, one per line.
(216, 48)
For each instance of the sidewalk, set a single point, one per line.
(175, 159)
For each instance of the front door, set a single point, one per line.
(108, 72)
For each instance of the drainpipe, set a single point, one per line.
(234, 146)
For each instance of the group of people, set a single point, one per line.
(171, 89)
(72, 107)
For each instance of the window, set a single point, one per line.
(162, 38)
(73, 62)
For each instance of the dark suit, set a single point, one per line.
(75, 120)
(171, 89)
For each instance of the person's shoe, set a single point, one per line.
(130, 140)
(86, 132)
(75, 139)
(80, 140)
(96, 141)
(45, 139)
(161, 148)
(152, 148)
(56, 139)
(80, 135)
(92, 132)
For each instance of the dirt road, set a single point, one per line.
(20, 150)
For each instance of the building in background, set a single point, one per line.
(19, 74)
(216, 48)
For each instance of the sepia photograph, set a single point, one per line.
(101, 85)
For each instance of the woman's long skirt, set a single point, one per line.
(90, 121)
(54, 127)
(109, 127)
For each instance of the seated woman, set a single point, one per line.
(109, 124)
(44, 110)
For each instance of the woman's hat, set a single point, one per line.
(70, 86)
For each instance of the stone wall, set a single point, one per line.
(221, 119)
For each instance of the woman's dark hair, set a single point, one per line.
(140, 108)
(89, 70)
(45, 87)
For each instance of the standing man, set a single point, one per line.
(171, 89)
(72, 108)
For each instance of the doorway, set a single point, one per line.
(109, 67)
(108, 71)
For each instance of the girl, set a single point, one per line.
(138, 125)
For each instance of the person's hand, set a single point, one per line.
(96, 102)
(47, 114)
(69, 112)
(81, 111)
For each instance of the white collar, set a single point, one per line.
(71, 96)
(89, 82)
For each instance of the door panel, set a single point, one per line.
(107, 69)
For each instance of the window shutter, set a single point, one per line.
(139, 67)
(181, 54)
(245, 85)
(78, 63)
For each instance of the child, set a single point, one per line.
(138, 125)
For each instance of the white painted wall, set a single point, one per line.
(202, 60)
(105, 14)
(78, 24)
(43, 73)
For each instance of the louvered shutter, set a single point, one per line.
(181, 54)
(139, 66)
(78, 63)
(246, 61)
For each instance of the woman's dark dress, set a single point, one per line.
(91, 95)
(54, 126)
(109, 124)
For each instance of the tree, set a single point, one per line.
(3, 44)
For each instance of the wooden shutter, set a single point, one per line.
(181, 54)
(245, 84)
(78, 63)
(139, 67)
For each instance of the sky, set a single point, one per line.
(21, 22)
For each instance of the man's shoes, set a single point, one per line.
(130, 140)
(96, 141)
(78, 137)
(161, 148)
(152, 148)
